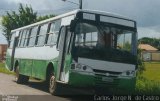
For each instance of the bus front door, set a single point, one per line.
(13, 52)
(61, 46)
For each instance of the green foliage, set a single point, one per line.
(13, 20)
(148, 82)
(145, 86)
(151, 41)
(25, 16)
(140, 63)
(4, 70)
(127, 46)
(44, 17)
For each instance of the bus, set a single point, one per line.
(82, 49)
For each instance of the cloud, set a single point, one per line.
(151, 32)
(2, 39)
(7, 5)
(44, 7)
(43, 4)
(145, 12)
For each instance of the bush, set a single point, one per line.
(4, 70)
(140, 63)
(149, 87)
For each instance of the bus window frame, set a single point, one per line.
(57, 26)
(30, 30)
(36, 40)
(20, 38)
(43, 34)
(33, 36)
(68, 50)
(47, 34)
(26, 37)
(57, 45)
(23, 38)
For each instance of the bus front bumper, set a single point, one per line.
(77, 79)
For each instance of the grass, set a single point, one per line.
(152, 71)
(4, 70)
(149, 81)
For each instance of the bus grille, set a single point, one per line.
(103, 73)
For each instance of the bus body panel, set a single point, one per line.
(105, 74)
(32, 62)
(91, 81)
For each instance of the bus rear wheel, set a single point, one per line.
(20, 79)
(53, 85)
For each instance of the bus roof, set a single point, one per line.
(72, 13)
(106, 13)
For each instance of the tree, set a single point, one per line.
(13, 20)
(40, 18)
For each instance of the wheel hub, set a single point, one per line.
(52, 81)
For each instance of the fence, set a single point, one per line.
(151, 56)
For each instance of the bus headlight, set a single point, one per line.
(81, 67)
(128, 73)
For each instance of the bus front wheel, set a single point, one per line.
(20, 79)
(53, 86)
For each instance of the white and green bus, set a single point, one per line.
(82, 48)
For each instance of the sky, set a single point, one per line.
(145, 12)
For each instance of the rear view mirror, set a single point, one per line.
(73, 25)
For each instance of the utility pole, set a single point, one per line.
(80, 4)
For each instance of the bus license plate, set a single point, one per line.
(106, 79)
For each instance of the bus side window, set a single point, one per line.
(23, 38)
(29, 34)
(12, 40)
(32, 37)
(47, 34)
(42, 35)
(57, 25)
(50, 33)
(68, 40)
(26, 38)
(53, 32)
(20, 37)
(37, 35)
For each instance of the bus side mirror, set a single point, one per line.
(73, 25)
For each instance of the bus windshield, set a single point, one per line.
(104, 43)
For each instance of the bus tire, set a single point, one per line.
(20, 79)
(53, 85)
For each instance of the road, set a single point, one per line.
(32, 91)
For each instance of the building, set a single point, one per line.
(147, 47)
(3, 48)
(149, 53)
(3, 44)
